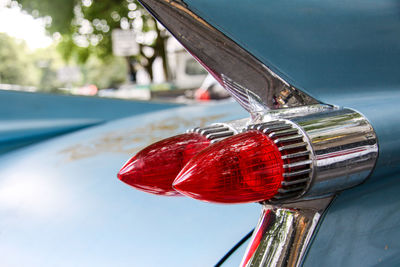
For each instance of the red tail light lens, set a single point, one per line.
(240, 169)
(154, 168)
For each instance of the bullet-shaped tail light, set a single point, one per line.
(154, 168)
(266, 163)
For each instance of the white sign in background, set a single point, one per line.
(124, 43)
(69, 74)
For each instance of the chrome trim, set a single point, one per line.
(215, 132)
(255, 86)
(345, 148)
(283, 233)
(293, 146)
(295, 181)
(333, 148)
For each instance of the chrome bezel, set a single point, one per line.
(292, 143)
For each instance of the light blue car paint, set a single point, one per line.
(26, 118)
(361, 228)
(327, 48)
(62, 205)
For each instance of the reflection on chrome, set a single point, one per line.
(342, 146)
(252, 83)
(283, 234)
(325, 149)
(345, 149)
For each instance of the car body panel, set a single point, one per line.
(361, 227)
(322, 47)
(61, 203)
(26, 118)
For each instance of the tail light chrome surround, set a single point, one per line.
(345, 149)
(296, 155)
(324, 149)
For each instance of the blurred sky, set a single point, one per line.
(19, 24)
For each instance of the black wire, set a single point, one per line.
(234, 248)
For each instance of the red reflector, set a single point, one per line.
(244, 168)
(202, 94)
(154, 168)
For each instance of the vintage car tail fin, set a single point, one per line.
(293, 155)
(255, 86)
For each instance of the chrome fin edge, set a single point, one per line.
(254, 86)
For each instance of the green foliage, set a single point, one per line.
(86, 26)
(110, 73)
(47, 61)
(39, 68)
(60, 11)
(17, 66)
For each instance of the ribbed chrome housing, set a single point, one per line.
(296, 156)
(215, 132)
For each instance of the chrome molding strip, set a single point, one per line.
(250, 82)
(283, 234)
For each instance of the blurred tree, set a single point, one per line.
(85, 28)
(17, 66)
(107, 74)
(47, 61)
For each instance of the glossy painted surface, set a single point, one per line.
(324, 47)
(61, 203)
(361, 228)
(21, 132)
(26, 118)
(30, 106)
